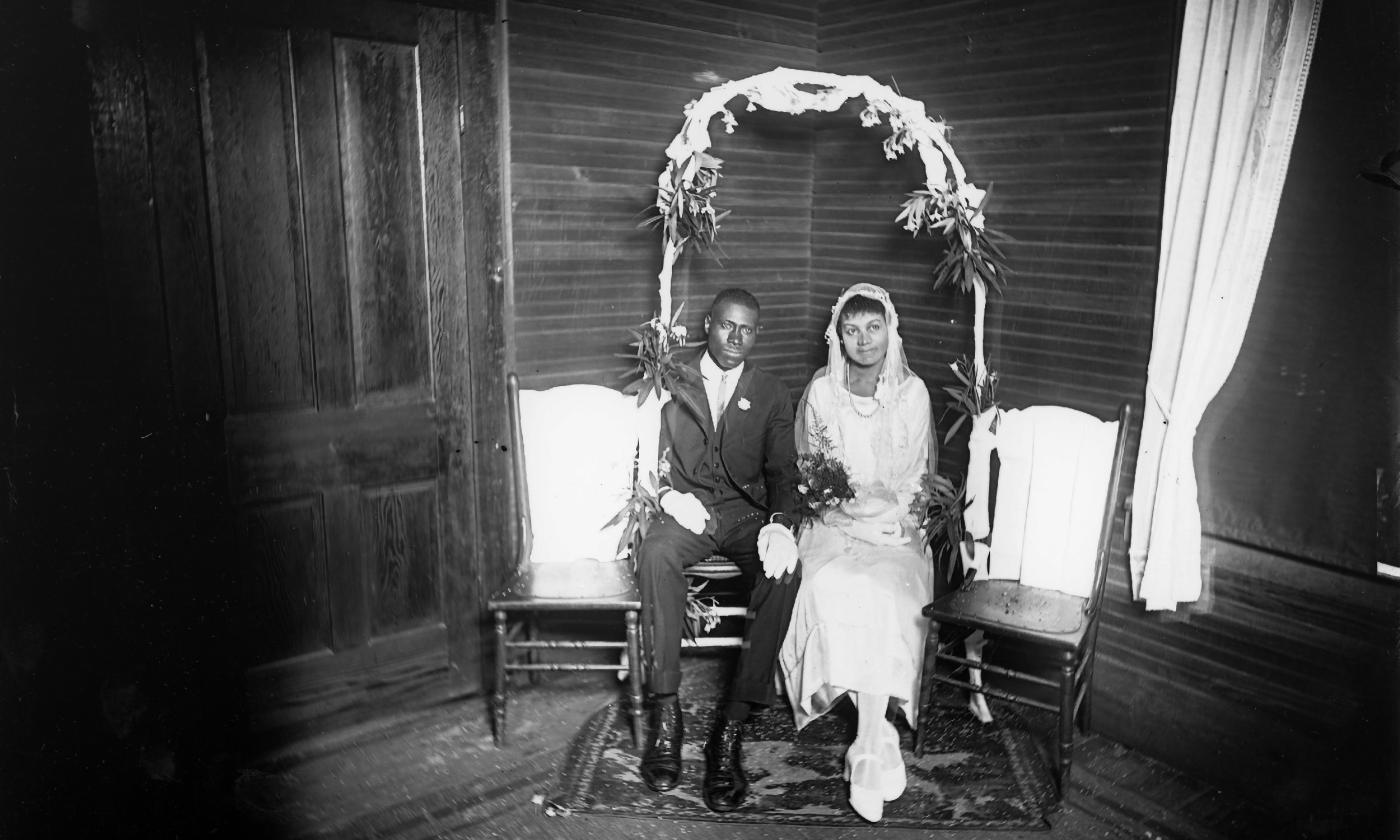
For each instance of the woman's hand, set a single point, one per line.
(875, 503)
(875, 516)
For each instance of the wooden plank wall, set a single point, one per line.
(597, 91)
(1275, 681)
(1281, 684)
(1062, 109)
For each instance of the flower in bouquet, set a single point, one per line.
(824, 480)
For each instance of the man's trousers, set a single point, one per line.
(665, 554)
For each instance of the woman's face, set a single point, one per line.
(865, 338)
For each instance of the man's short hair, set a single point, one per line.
(741, 297)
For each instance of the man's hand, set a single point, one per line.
(777, 550)
(686, 509)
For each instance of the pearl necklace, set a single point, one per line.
(850, 395)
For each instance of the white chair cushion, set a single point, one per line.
(580, 448)
(1055, 465)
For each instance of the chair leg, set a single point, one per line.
(1085, 713)
(634, 671)
(532, 634)
(1066, 723)
(498, 696)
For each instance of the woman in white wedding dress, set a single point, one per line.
(858, 629)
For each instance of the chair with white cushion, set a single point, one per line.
(574, 454)
(1040, 576)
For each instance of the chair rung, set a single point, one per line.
(992, 691)
(997, 669)
(713, 641)
(562, 666)
(563, 643)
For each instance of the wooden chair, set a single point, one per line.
(1056, 495)
(586, 584)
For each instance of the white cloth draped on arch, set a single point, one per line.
(1243, 65)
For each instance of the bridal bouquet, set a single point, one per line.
(825, 482)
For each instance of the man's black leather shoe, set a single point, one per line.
(726, 784)
(661, 763)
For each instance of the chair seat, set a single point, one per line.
(585, 585)
(1015, 610)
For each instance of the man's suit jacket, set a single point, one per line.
(752, 456)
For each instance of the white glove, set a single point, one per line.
(777, 550)
(686, 509)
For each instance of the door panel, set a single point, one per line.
(339, 258)
(379, 112)
(400, 535)
(285, 576)
(258, 240)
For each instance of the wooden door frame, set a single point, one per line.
(481, 86)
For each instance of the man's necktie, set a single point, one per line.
(721, 398)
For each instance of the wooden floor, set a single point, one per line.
(436, 773)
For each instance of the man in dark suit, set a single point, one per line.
(729, 486)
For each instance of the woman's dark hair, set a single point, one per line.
(860, 305)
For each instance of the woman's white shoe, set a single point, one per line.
(863, 771)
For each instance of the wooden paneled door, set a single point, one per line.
(308, 168)
(334, 192)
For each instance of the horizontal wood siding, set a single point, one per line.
(1282, 685)
(1061, 109)
(597, 91)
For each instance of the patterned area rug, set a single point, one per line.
(970, 776)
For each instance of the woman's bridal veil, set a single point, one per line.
(889, 388)
(896, 368)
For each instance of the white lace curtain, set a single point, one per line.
(1239, 86)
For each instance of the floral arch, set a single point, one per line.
(948, 204)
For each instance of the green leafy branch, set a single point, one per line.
(637, 512)
(685, 211)
(966, 399)
(972, 253)
(700, 614)
(939, 508)
(659, 363)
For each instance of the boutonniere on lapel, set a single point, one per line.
(744, 403)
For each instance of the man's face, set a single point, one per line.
(732, 329)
